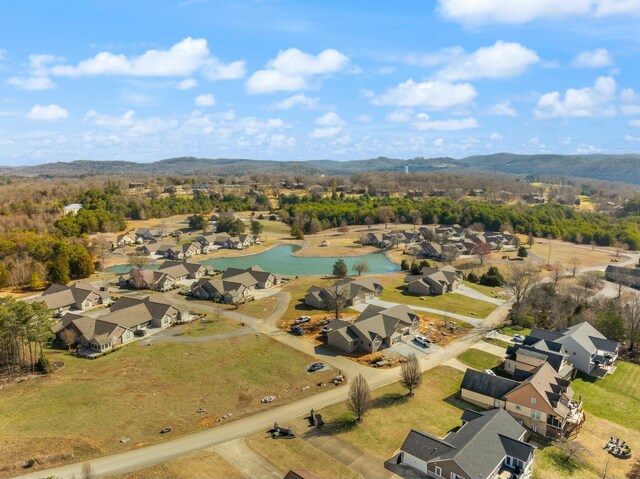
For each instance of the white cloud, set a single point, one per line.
(585, 149)
(292, 69)
(500, 60)
(597, 58)
(47, 113)
(631, 138)
(479, 12)
(502, 109)
(400, 116)
(280, 140)
(445, 125)
(31, 83)
(431, 95)
(187, 84)
(183, 59)
(130, 124)
(205, 100)
(495, 136)
(579, 102)
(364, 118)
(300, 100)
(634, 123)
(331, 125)
(630, 102)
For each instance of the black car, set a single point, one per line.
(315, 367)
(297, 330)
(139, 332)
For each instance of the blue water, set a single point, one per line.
(279, 260)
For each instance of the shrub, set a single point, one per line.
(472, 277)
(43, 365)
(404, 265)
(492, 277)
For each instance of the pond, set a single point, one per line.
(279, 260)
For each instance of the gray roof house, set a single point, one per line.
(148, 279)
(353, 291)
(181, 270)
(626, 276)
(235, 286)
(488, 445)
(585, 347)
(81, 296)
(434, 281)
(375, 329)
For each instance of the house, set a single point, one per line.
(148, 234)
(587, 350)
(543, 402)
(521, 359)
(98, 335)
(208, 243)
(148, 279)
(186, 250)
(124, 239)
(80, 296)
(376, 328)
(140, 313)
(351, 291)
(72, 209)
(434, 281)
(149, 249)
(181, 270)
(625, 276)
(236, 285)
(488, 445)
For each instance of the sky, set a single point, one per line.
(301, 80)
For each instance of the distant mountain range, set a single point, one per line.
(623, 168)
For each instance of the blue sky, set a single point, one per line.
(292, 80)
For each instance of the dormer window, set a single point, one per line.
(533, 400)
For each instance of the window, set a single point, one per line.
(535, 415)
(533, 400)
(455, 476)
(438, 471)
(534, 428)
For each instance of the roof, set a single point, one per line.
(478, 447)
(377, 322)
(582, 334)
(487, 384)
(178, 269)
(537, 350)
(550, 387)
(60, 296)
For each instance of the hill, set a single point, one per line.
(623, 168)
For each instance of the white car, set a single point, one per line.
(422, 340)
(267, 399)
(518, 338)
(302, 319)
(489, 372)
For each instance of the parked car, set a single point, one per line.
(325, 329)
(139, 332)
(267, 399)
(422, 340)
(489, 372)
(518, 338)
(315, 367)
(165, 430)
(297, 330)
(302, 319)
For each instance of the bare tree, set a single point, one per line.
(368, 221)
(574, 262)
(138, 260)
(69, 337)
(631, 316)
(344, 227)
(385, 214)
(481, 250)
(359, 398)
(410, 374)
(590, 280)
(360, 267)
(620, 247)
(336, 297)
(572, 450)
(416, 218)
(521, 279)
(556, 273)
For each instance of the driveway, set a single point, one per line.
(465, 290)
(404, 348)
(245, 460)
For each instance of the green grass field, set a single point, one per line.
(450, 302)
(434, 409)
(615, 397)
(477, 359)
(87, 406)
(209, 327)
(498, 342)
(486, 290)
(511, 330)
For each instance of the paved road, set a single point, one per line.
(245, 460)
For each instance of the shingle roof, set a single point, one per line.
(486, 384)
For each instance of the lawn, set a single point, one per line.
(492, 292)
(498, 342)
(87, 406)
(477, 359)
(199, 465)
(449, 302)
(434, 409)
(208, 327)
(615, 398)
(260, 308)
(298, 454)
(511, 330)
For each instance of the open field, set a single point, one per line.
(260, 308)
(491, 291)
(564, 253)
(208, 327)
(615, 398)
(450, 302)
(477, 359)
(135, 392)
(434, 409)
(286, 454)
(204, 464)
